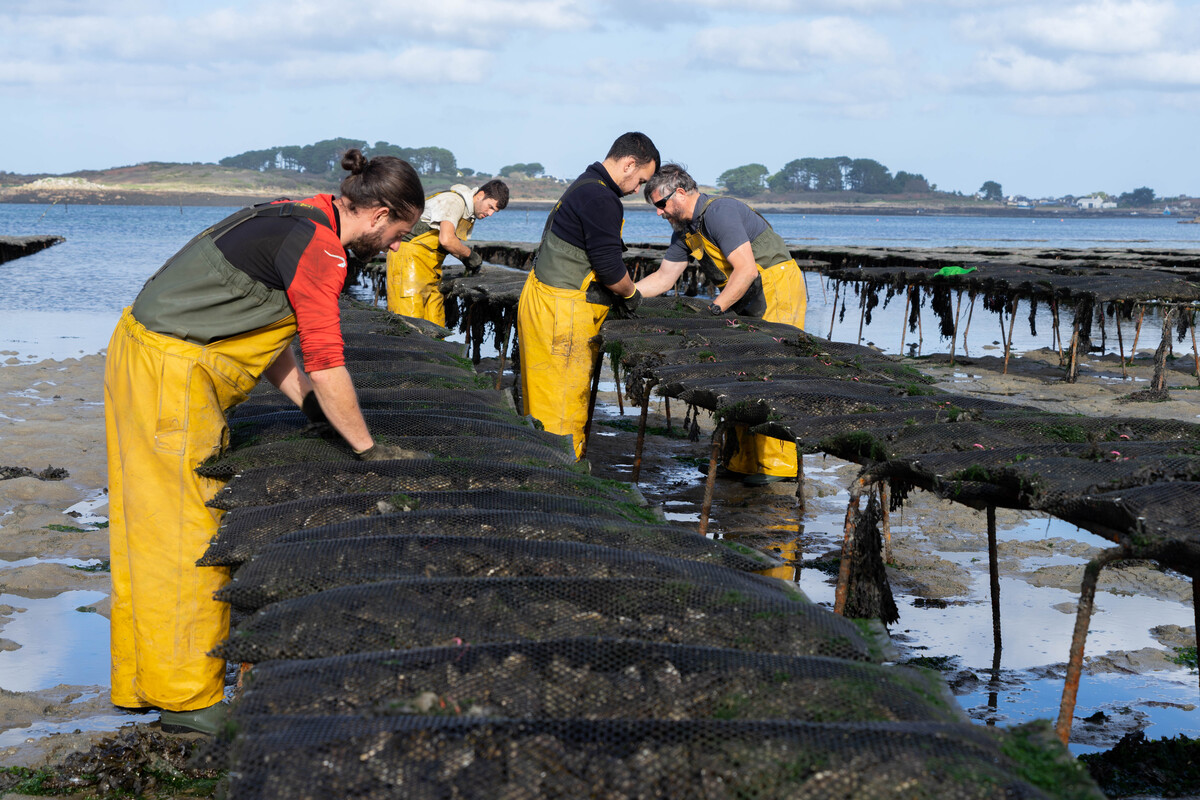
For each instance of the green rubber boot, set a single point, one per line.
(202, 720)
(762, 479)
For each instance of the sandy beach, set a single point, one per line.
(53, 546)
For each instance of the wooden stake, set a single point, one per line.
(852, 514)
(597, 364)
(1012, 322)
(994, 575)
(641, 437)
(1083, 617)
(1195, 352)
(966, 330)
(1121, 341)
(904, 322)
(886, 520)
(837, 287)
(862, 312)
(1137, 332)
(800, 503)
(711, 481)
(954, 335)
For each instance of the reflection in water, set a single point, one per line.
(59, 643)
(789, 550)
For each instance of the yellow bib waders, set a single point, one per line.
(414, 273)
(555, 325)
(787, 302)
(165, 401)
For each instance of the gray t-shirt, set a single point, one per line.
(729, 223)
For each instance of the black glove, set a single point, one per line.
(473, 262)
(312, 408)
(715, 309)
(387, 452)
(627, 305)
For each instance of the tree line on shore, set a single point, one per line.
(837, 174)
(799, 176)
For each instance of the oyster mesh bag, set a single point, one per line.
(432, 612)
(313, 450)
(265, 399)
(422, 757)
(492, 423)
(489, 522)
(282, 571)
(269, 485)
(245, 531)
(595, 679)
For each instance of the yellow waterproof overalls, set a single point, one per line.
(414, 271)
(165, 400)
(555, 326)
(786, 302)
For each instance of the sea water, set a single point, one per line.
(64, 301)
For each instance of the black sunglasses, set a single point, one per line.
(661, 204)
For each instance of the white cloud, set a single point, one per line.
(1096, 27)
(791, 46)
(1018, 71)
(1166, 69)
(1106, 27)
(259, 32)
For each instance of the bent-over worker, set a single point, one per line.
(216, 317)
(742, 254)
(581, 246)
(414, 270)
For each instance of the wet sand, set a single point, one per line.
(51, 414)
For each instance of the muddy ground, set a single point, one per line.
(51, 533)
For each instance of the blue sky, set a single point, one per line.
(1045, 97)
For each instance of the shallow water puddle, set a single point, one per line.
(59, 643)
(101, 722)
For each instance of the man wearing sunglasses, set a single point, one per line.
(742, 254)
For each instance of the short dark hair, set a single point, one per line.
(384, 181)
(635, 144)
(496, 190)
(667, 179)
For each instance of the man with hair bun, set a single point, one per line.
(741, 253)
(577, 276)
(219, 315)
(415, 269)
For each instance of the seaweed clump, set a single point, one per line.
(1169, 767)
(136, 761)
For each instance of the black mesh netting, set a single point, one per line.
(596, 679)
(266, 399)
(495, 423)
(286, 437)
(255, 526)
(270, 485)
(434, 612)
(286, 424)
(1034, 476)
(1160, 521)
(420, 757)
(1062, 281)
(317, 449)
(236, 546)
(499, 629)
(284, 570)
(788, 397)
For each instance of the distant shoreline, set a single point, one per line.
(183, 198)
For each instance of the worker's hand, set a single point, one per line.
(625, 306)
(387, 452)
(715, 309)
(312, 408)
(473, 262)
